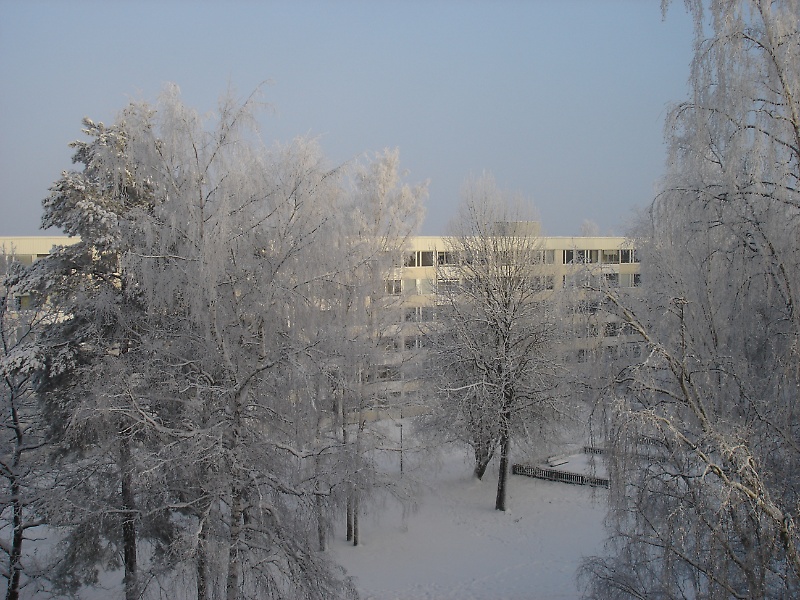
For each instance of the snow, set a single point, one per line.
(456, 546)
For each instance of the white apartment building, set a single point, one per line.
(413, 282)
(411, 288)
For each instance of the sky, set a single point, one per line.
(563, 102)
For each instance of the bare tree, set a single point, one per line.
(381, 215)
(495, 345)
(704, 427)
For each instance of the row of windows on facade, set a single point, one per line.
(23, 259)
(430, 258)
(443, 285)
(610, 329)
(606, 352)
(389, 393)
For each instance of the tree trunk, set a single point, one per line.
(202, 583)
(129, 520)
(349, 500)
(15, 566)
(349, 535)
(482, 459)
(319, 501)
(321, 525)
(355, 518)
(502, 476)
(15, 555)
(237, 504)
(234, 557)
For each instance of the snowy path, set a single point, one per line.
(457, 547)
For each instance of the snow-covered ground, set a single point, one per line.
(455, 546)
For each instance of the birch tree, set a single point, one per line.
(495, 348)
(227, 254)
(704, 428)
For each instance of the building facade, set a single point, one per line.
(415, 279)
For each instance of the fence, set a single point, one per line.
(562, 476)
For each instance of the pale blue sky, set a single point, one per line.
(563, 101)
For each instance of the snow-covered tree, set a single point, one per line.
(495, 345)
(212, 356)
(23, 441)
(97, 319)
(704, 429)
(230, 254)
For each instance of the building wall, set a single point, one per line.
(26, 249)
(413, 282)
(411, 290)
(613, 256)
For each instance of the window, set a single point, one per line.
(583, 278)
(389, 344)
(426, 314)
(394, 287)
(591, 256)
(631, 350)
(446, 258)
(418, 314)
(611, 279)
(581, 256)
(610, 353)
(628, 256)
(446, 286)
(426, 259)
(610, 257)
(612, 329)
(414, 342)
(588, 307)
(544, 282)
(637, 280)
(388, 373)
(586, 330)
(410, 259)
